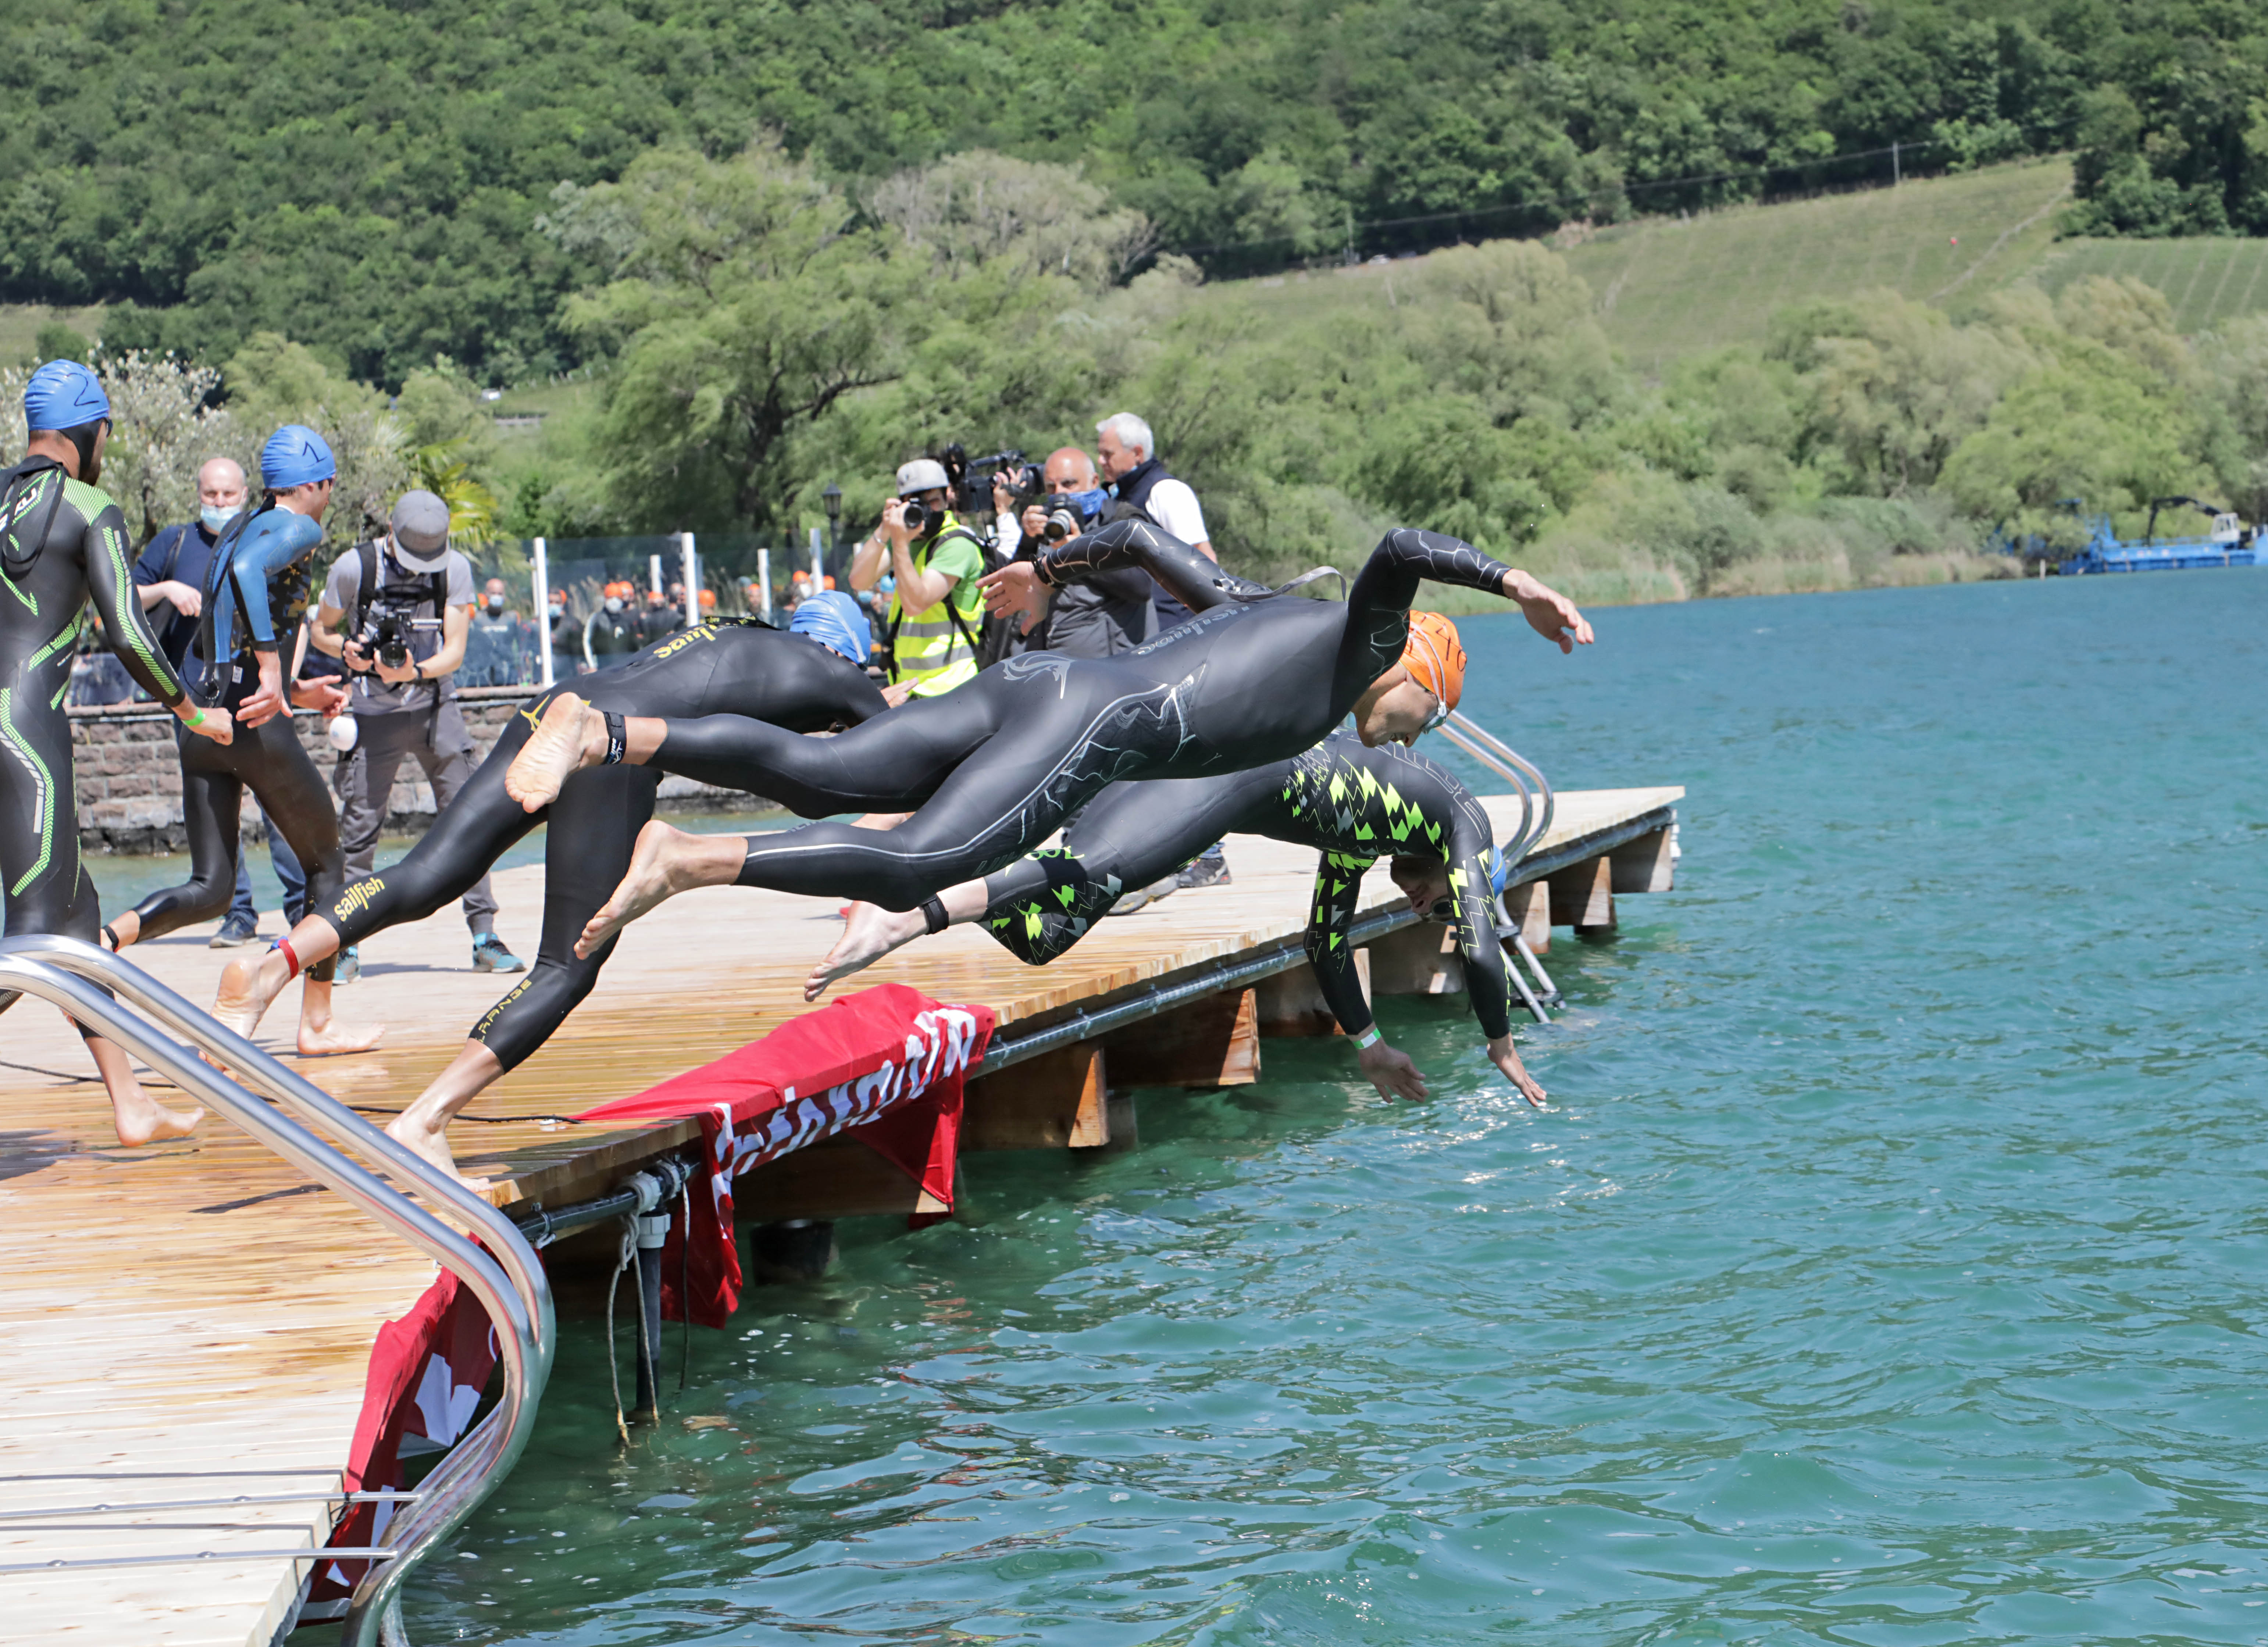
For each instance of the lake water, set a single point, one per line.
(1887, 1271)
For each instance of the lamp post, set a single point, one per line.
(832, 497)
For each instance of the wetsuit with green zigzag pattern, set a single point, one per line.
(62, 542)
(1353, 804)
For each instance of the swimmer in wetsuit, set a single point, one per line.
(995, 767)
(255, 597)
(1351, 802)
(807, 681)
(61, 543)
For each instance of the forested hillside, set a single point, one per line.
(379, 179)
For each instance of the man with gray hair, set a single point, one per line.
(405, 602)
(1147, 492)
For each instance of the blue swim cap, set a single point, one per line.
(1499, 871)
(63, 394)
(294, 455)
(833, 619)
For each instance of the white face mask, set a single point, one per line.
(614, 603)
(217, 515)
(496, 603)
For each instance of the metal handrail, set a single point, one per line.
(1500, 757)
(501, 1268)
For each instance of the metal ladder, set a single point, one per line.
(1535, 809)
(495, 1261)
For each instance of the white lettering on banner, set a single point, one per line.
(939, 1047)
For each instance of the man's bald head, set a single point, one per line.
(1068, 469)
(220, 483)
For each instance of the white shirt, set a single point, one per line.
(1174, 507)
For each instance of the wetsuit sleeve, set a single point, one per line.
(1338, 891)
(110, 581)
(1378, 606)
(1488, 975)
(279, 540)
(1137, 546)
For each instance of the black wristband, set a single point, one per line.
(933, 915)
(618, 741)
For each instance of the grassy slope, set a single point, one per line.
(2205, 280)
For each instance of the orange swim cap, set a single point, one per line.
(1435, 658)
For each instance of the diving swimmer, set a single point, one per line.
(731, 667)
(992, 769)
(255, 597)
(61, 543)
(1349, 802)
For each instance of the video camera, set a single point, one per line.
(386, 625)
(972, 478)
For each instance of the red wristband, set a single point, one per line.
(291, 958)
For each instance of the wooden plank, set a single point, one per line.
(1055, 1101)
(1291, 1003)
(1530, 904)
(1645, 865)
(839, 1178)
(1584, 897)
(1420, 959)
(1212, 1042)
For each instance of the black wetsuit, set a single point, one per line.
(268, 758)
(996, 766)
(1352, 803)
(61, 541)
(735, 668)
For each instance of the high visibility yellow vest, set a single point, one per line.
(935, 648)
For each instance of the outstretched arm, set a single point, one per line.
(1488, 973)
(1138, 545)
(1378, 606)
(1338, 890)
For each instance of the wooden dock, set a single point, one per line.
(195, 1320)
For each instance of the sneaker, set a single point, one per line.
(1211, 870)
(235, 932)
(491, 955)
(348, 967)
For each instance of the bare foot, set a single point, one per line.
(666, 861)
(242, 1000)
(330, 1038)
(559, 746)
(147, 1121)
(872, 933)
(433, 1144)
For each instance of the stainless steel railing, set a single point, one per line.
(496, 1262)
(1536, 805)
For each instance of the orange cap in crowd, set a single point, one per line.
(707, 599)
(1435, 658)
(827, 580)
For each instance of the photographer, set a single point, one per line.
(406, 599)
(936, 610)
(1102, 616)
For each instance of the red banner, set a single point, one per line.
(888, 1062)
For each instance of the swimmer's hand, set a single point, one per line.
(213, 723)
(1505, 1056)
(1015, 589)
(1548, 613)
(1391, 1072)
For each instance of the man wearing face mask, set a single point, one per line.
(169, 573)
(566, 639)
(417, 592)
(502, 646)
(610, 635)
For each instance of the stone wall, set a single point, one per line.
(128, 778)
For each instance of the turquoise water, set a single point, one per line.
(1885, 1273)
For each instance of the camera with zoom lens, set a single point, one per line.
(972, 478)
(1071, 512)
(386, 627)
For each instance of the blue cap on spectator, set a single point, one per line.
(833, 619)
(63, 394)
(294, 456)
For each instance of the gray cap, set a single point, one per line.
(421, 528)
(922, 474)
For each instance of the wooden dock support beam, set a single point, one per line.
(1212, 1042)
(1420, 959)
(1291, 1003)
(1645, 865)
(1059, 1100)
(1584, 897)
